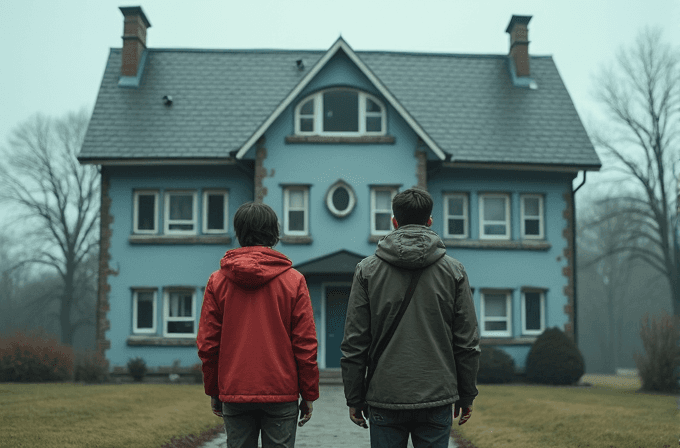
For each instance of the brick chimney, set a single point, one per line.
(134, 38)
(519, 44)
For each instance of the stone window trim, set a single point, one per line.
(139, 340)
(506, 341)
(288, 239)
(325, 139)
(498, 244)
(179, 240)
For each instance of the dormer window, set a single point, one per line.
(340, 112)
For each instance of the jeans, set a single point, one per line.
(244, 421)
(429, 427)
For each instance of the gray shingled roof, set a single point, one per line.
(465, 103)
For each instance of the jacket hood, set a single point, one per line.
(411, 247)
(253, 266)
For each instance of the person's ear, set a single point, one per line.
(395, 223)
(429, 222)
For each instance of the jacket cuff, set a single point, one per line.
(465, 402)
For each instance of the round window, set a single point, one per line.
(340, 199)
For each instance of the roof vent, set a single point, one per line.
(167, 100)
(300, 64)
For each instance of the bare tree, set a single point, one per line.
(59, 199)
(641, 97)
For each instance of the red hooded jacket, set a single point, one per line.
(256, 337)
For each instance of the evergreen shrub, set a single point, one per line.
(197, 373)
(554, 359)
(31, 357)
(137, 368)
(495, 366)
(659, 365)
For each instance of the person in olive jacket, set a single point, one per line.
(257, 338)
(432, 360)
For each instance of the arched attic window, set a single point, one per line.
(340, 112)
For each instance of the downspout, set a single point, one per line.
(573, 246)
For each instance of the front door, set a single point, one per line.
(337, 296)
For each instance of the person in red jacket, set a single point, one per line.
(257, 337)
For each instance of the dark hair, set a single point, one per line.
(256, 225)
(412, 206)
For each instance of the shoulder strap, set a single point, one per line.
(415, 276)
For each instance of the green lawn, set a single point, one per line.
(609, 414)
(74, 415)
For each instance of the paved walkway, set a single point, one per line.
(330, 426)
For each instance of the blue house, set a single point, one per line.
(326, 138)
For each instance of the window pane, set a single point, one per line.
(373, 124)
(145, 310)
(180, 327)
(531, 226)
(181, 207)
(382, 221)
(296, 199)
(456, 227)
(383, 200)
(531, 206)
(146, 208)
(341, 111)
(341, 199)
(216, 211)
(494, 209)
(296, 220)
(372, 106)
(456, 206)
(533, 310)
(307, 108)
(494, 229)
(181, 305)
(306, 124)
(495, 326)
(495, 305)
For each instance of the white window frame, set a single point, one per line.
(541, 227)
(135, 301)
(329, 199)
(362, 114)
(507, 318)
(287, 208)
(447, 216)
(135, 213)
(166, 214)
(393, 193)
(483, 222)
(525, 331)
(166, 312)
(225, 194)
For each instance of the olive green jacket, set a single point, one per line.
(433, 357)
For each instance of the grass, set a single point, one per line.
(72, 415)
(609, 414)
